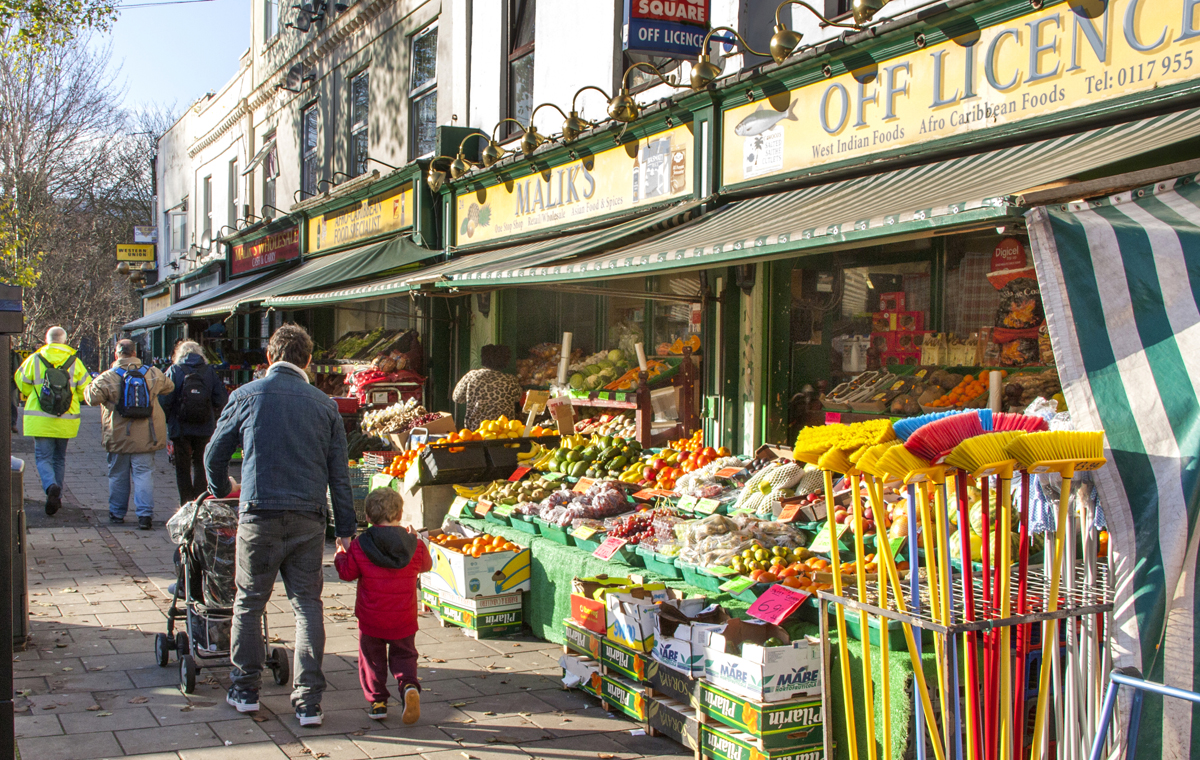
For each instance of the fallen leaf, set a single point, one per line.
(94, 708)
(104, 715)
(461, 704)
(526, 714)
(68, 591)
(358, 733)
(605, 755)
(489, 712)
(139, 700)
(185, 708)
(61, 646)
(566, 720)
(436, 659)
(467, 755)
(49, 707)
(98, 667)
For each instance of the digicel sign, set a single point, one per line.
(682, 11)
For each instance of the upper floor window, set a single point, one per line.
(270, 167)
(360, 107)
(521, 15)
(207, 219)
(270, 19)
(422, 93)
(179, 239)
(310, 153)
(234, 194)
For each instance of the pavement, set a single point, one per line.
(88, 686)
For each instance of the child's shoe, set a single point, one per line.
(412, 705)
(378, 710)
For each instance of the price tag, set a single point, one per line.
(504, 510)
(897, 544)
(707, 506)
(686, 503)
(583, 485)
(833, 418)
(519, 473)
(610, 547)
(535, 401)
(737, 585)
(552, 476)
(650, 494)
(791, 508)
(458, 507)
(585, 532)
(776, 603)
(821, 545)
(720, 571)
(482, 507)
(729, 472)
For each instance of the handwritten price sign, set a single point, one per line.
(583, 485)
(482, 507)
(610, 547)
(776, 604)
(519, 473)
(728, 472)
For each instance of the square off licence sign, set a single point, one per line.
(671, 28)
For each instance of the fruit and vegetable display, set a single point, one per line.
(795, 568)
(533, 489)
(619, 425)
(717, 539)
(604, 498)
(398, 467)
(396, 418)
(599, 369)
(597, 456)
(474, 547)
(541, 367)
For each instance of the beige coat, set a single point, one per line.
(130, 436)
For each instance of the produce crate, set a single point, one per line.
(496, 519)
(523, 523)
(554, 533)
(629, 555)
(693, 575)
(441, 466)
(659, 563)
(589, 545)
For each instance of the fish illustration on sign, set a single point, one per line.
(762, 120)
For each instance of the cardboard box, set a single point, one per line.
(579, 639)
(631, 616)
(429, 598)
(427, 507)
(587, 598)
(441, 426)
(623, 660)
(465, 576)
(674, 720)
(496, 616)
(671, 683)
(776, 726)
(581, 672)
(909, 321)
(624, 695)
(765, 674)
(895, 358)
(479, 605)
(723, 743)
(894, 301)
(677, 640)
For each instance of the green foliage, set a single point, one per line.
(42, 23)
(15, 268)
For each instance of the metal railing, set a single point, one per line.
(1131, 677)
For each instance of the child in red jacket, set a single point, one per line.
(385, 560)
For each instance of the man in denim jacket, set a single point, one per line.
(293, 448)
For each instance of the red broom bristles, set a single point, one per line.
(1002, 421)
(935, 440)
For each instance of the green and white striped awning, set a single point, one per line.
(975, 189)
(520, 256)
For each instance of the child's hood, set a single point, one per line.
(388, 546)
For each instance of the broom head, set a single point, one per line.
(815, 440)
(868, 460)
(906, 427)
(985, 455)
(901, 464)
(835, 460)
(1061, 451)
(934, 440)
(1027, 423)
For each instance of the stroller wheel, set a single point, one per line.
(181, 645)
(162, 649)
(281, 665)
(187, 674)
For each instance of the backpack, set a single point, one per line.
(195, 400)
(55, 396)
(134, 401)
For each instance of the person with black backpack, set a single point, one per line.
(52, 381)
(134, 426)
(192, 411)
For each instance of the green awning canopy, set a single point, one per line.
(335, 269)
(530, 254)
(972, 190)
(172, 312)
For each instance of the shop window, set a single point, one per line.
(270, 165)
(673, 321)
(422, 94)
(310, 156)
(360, 103)
(521, 17)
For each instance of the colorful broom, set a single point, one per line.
(1064, 452)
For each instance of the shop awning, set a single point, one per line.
(162, 316)
(347, 266)
(528, 255)
(975, 189)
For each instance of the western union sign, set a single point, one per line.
(1065, 56)
(135, 252)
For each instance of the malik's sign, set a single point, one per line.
(1065, 56)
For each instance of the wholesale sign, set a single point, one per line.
(671, 28)
(1045, 62)
(266, 250)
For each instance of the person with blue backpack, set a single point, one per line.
(134, 426)
(52, 380)
(192, 410)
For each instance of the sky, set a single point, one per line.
(176, 53)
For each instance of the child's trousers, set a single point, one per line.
(379, 657)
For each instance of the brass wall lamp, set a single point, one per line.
(785, 41)
(704, 71)
(575, 125)
(436, 177)
(532, 138)
(461, 164)
(622, 107)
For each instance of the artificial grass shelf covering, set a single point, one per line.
(553, 566)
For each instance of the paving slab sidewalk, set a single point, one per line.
(88, 686)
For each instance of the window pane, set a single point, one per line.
(269, 198)
(359, 100)
(308, 177)
(178, 232)
(359, 148)
(521, 18)
(424, 119)
(270, 19)
(270, 164)
(310, 129)
(424, 59)
(520, 88)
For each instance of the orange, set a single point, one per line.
(476, 552)
(792, 582)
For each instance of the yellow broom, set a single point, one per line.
(1065, 452)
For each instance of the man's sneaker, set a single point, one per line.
(53, 498)
(310, 715)
(378, 710)
(243, 701)
(115, 520)
(145, 523)
(412, 705)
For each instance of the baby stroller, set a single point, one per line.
(205, 562)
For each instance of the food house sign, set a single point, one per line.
(266, 250)
(1067, 56)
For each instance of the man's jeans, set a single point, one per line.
(51, 457)
(291, 544)
(140, 469)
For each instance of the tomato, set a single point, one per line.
(709, 451)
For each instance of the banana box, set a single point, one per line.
(678, 642)
(675, 720)
(462, 575)
(774, 726)
(623, 660)
(429, 598)
(722, 743)
(579, 639)
(743, 659)
(483, 617)
(670, 683)
(624, 695)
(581, 672)
(631, 617)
